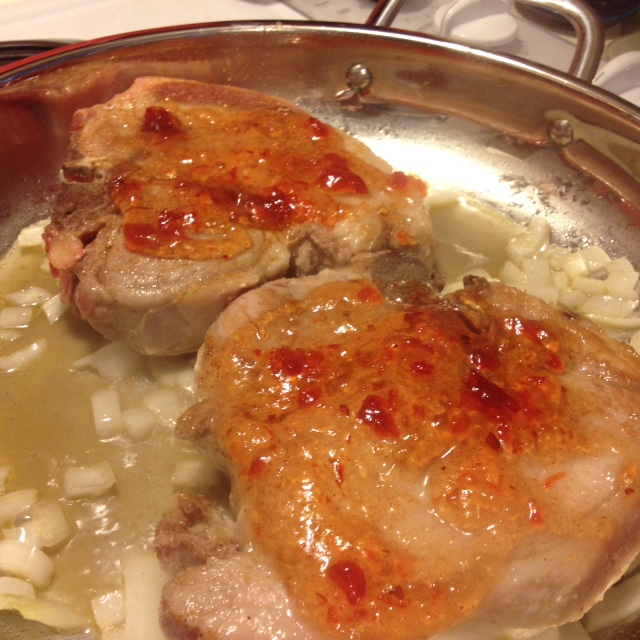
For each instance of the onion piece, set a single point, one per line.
(114, 633)
(614, 322)
(4, 474)
(15, 317)
(139, 422)
(25, 561)
(512, 275)
(30, 296)
(112, 362)
(527, 244)
(590, 286)
(185, 379)
(635, 341)
(595, 258)
(56, 615)
(31, 236)
(575, 266)
(607, 306)
(620, 602)
(569, 631)
(556, 256)
(193, 474)
(108, 610)
(107, 414)
(571, 299)
(81, 482)
(54, 308)
(23, 533)
(22, 357)
(143, 582)
(49, 523)
(546, 291)
(166, 404)
(164, 369)
(10, 586)
(620, 264)
(622, 284)
(9, 335)
(16, 502)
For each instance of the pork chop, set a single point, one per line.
(176, 196)
(405, 464)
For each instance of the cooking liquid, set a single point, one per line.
(46, 426)
(46, 421)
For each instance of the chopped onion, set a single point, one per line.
(107, 414)
(56, 615)
(615, 323)
(546, 291)
(164, 370)
(607, 306)
(193, 474)
(166, 404)
(571, 299)
(573, 631)
(620, 264)
(185, 379)
(622, 284)
(556, 256)
(29, 296)
(51, 525)
(15, 503)
(31, 236)
(512, 275)
(172, 371)
(4, 474)
(595, 258)
(635, 341)
(25, 561)
(620, 602)
(139, 422)
(441, 198)
(114, 633)
(590, 286)
(54, 308)
(575, 266)
(15, 317)
(10, 586)
(535, 269)
(560, 279)
(143, 582)
(23, 533)
(96, 480)
(22, 357)
(527, 244)
(112, 362)
(9, 335)
(108, 610)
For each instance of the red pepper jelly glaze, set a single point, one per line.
(365, 419)
(198, 178)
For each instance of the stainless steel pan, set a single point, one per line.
(523, 139)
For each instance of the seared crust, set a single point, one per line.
(193, 531)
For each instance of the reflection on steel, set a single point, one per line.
(384, 13)
(589, 31)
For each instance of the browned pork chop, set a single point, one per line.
(404, 464)
(177, 196)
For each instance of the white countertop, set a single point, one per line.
(88, 19)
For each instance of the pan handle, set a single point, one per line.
(584, 19)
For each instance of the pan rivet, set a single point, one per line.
(560, 132)
(358, 77)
